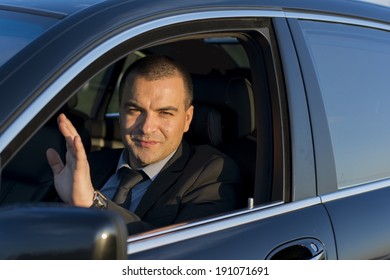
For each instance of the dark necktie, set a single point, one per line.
(128, 179)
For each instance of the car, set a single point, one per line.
(296, 92)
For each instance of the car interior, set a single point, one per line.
(224, 117)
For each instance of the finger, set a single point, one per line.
(66, 126)
(69, 139)
(79, 149)
(54, 161)
(69, 132)
(69, 125)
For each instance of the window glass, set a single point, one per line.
(17, 30)
(87, 95)
(353, 65)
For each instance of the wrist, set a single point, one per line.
(99, 200)
(84, 198)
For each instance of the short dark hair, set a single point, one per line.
(157, 67)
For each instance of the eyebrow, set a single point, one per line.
(167, 108)
(132, 104)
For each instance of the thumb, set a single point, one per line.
(55, 161)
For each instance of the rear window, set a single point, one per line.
(353, 65)
(17, 30)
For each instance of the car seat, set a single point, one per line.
(224, 117)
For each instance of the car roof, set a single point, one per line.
(363, 8)
(64, 7)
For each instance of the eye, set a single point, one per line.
(166, 113)
(133, 111)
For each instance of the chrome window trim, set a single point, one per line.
(27, 115)
(183, 226)
(338, 19)
(355, 190)
(146, 241)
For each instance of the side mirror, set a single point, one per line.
(56, 232)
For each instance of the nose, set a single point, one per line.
(147, 123)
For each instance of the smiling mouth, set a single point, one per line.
(145, 143)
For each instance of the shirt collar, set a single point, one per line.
(151, 170)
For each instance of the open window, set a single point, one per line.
(237, 94)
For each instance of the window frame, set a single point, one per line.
(278, 174)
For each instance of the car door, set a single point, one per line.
(345, 64)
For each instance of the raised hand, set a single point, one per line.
(72, 180)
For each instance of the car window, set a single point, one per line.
(352, 65)
(17, 30)
(226, 97)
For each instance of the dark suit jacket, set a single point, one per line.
(197, 181)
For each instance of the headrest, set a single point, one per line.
(72, 102)
(232, 98)
(206, 126)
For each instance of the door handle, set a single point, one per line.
(301, 249)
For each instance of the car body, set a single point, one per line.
(312, 135)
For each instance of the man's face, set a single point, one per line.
(153, 118)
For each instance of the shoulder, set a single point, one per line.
(209, 152)
(214, 172)
(213, 160)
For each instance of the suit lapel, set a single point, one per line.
(165, 179)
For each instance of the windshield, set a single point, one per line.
(17, 30)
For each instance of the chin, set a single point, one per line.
(143, 161)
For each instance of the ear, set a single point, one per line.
(189, 115)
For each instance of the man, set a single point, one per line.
(179, 182)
